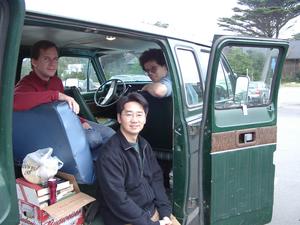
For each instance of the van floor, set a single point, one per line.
(91, 190)
(97, 220)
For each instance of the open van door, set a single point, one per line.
(240, 130)
(11, 22)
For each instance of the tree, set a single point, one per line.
(246, 62)
(261, 18)
(296, 36)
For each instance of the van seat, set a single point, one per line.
(54, 125)
(158, 130)
(85, 111)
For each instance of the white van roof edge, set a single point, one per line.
(130, 25)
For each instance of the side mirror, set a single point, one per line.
(241, 90)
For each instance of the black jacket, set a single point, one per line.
(129, 189)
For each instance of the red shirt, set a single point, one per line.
(32, 91)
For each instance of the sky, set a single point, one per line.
(185, 16)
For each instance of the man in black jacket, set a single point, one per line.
(130, 179)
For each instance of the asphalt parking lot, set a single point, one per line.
(286, 210)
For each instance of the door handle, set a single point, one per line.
(246, 138)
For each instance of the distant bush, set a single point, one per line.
(287, 78)
(297, 77)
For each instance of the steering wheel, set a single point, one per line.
(108, 94)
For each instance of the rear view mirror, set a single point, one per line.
(241, 90)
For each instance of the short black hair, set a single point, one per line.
(42, 44)
(132, 97)
(152, 54)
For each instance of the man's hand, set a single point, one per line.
(71, 102)
(86, 125)
(165, 221)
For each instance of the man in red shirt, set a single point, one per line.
(43, 86)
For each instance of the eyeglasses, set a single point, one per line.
(153, 69)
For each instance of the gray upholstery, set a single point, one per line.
(54, 125)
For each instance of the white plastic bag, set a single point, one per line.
(39, 166)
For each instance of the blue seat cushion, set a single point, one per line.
(54, 125)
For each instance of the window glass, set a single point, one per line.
(26, 67)
(223, 89)
(257, 65)
(190, 76)
(203, 58)
(73, 71)
(78, 72)
(124, 66)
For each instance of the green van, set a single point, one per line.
(214, 144)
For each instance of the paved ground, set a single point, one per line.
(286, 210)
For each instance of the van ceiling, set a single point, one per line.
(64, 38)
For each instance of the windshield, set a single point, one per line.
(124, 66)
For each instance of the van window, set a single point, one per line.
(124, 66)
(204, 58)
(258, 64)
(78, 72)
(26, 67)
(73, 71)
(190, 76)
(223, 89)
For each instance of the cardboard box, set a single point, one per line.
(65, 212)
